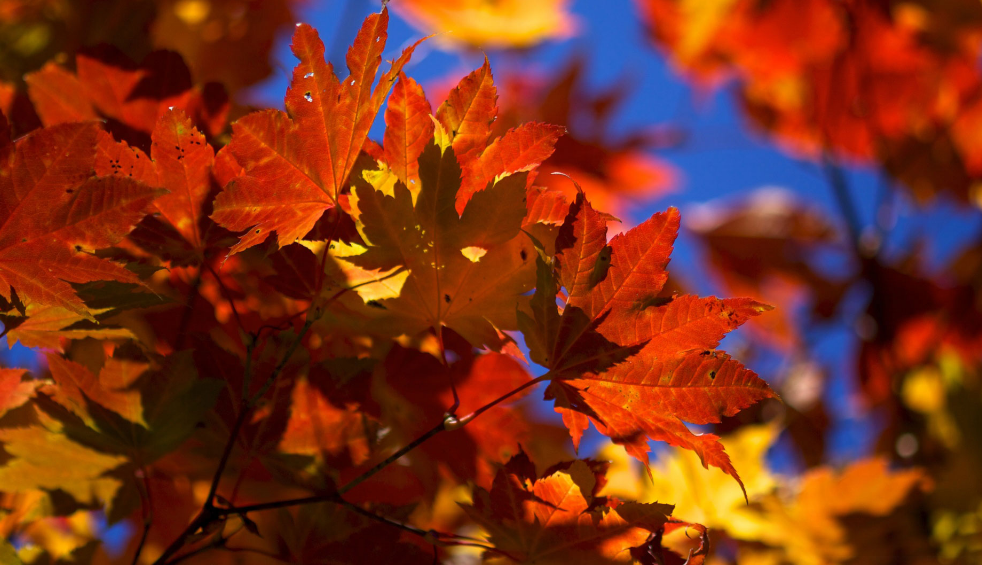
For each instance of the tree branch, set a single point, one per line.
(146, 505)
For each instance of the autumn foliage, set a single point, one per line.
(268, 337)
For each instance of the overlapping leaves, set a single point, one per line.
(54, 214)
(291, 168)
(635, 364)
(557, 518)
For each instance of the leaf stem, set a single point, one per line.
(228, 296)
(840, 188)
(449, 422)
(208, 512)
(146, 504)
(468, 418)
(182, 327)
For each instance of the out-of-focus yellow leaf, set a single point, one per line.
(46, 460)
(705, 496)
(479, 23)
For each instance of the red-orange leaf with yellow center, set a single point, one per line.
(635, 364)
(556, 519)
(296, 165)
(53, 214)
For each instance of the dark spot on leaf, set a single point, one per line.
(712, 374)
(524, 254)
(78, 248)
(69, 191)
(375, 304)
(446, 298)
(257, 231)
(655, 302)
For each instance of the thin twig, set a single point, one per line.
(182, 327)
(228, 296)
(449, 422)
(146, 505)
(470, 417)
(840, 188)
(208, 513)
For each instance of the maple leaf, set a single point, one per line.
(634, 364)
(132, 407)
(838, 516)
(408, 128)
(469, 110)
(14, 391)
(130, 97)
(38, 325)
(466, 271)
(38, 462)
(317, 426)
(286, 185)
(466, 118)
(416, 392)
(706, 496)
(334, 535)
(54, 214)
(113, 388)
(181, 162)
(557, 518)
(852, 80)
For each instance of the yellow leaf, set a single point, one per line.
(705, 496)
(46, 460)
(479, 23)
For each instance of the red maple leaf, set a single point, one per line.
(635, 364)
(54, 214)
(294, 167)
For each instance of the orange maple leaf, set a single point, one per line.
(54, 214)
(557, 519)
(294, 167)
(180, 161)
(633, 363)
